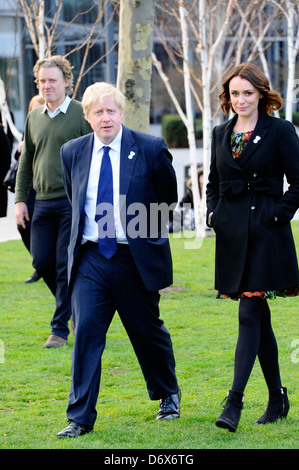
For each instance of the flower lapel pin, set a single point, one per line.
(131, 155)
(257, 138)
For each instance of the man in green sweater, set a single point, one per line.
(47, 128)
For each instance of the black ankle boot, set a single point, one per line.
(278, 406)
(231, 414)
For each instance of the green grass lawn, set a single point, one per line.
(34, 382)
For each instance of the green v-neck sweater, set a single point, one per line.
(40, 161)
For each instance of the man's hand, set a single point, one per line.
(21, 213)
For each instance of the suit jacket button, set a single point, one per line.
(252, 208)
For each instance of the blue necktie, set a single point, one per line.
(104, 211)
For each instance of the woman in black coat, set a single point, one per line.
(250, 213)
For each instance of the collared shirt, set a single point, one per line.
(90, 232)
(61, 109)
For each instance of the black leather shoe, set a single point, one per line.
(35, 277)
(75, 430)
(170, 406)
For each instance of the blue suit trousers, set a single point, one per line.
(101, 288)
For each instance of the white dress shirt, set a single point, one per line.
(90, 232)
(61, 109)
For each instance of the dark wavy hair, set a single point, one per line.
(271, 99)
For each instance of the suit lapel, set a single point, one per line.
(83, 162)
(128, 158)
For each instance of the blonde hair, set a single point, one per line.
(64, 66)
(100, 91)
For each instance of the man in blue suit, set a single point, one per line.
(137, 189)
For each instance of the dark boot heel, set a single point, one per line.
(278, 406)
(231, 414)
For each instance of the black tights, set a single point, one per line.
(256, 338)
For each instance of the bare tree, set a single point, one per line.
(290, 9)
(206, 50)
(46, 32)
(221, 35)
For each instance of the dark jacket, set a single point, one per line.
(5, 159)
(251, 212)
(147, 178)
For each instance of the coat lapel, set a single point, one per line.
(224, 137)
(257, 137)
(260, 131)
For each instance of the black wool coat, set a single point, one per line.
(252, 210)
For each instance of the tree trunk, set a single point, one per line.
(292, 53)
(198, 210)
(206, 62)
(134, 60)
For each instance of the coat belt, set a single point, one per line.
(264, 185)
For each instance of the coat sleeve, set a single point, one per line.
(25, 172)
(66, 173)
(5, 154)
(164, 174)
(288, 145)
(212, 192)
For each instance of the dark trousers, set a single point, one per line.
(50, 233)
(101, 287)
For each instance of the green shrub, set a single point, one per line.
(174, 131)
(295, 117)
